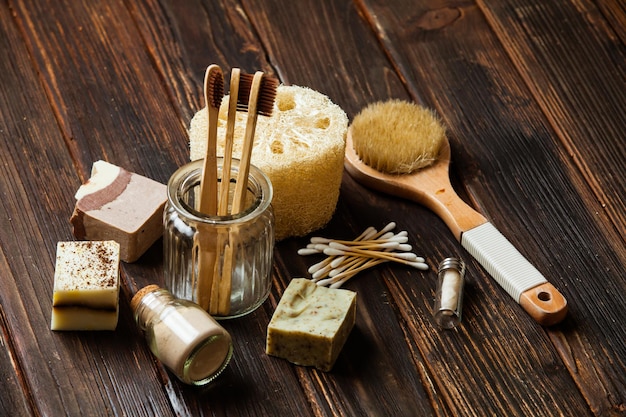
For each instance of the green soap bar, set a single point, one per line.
(311, 324)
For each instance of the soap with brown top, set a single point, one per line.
(311, 324)
(86, 286)
(119, 205)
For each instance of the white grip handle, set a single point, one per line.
(515, 274)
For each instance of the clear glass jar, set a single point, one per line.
(222, 263)
(184, 337)
(449, 296)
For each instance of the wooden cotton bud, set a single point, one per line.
(367, 233)
(390, 226)
(316, 267)
(385, 236)
(419, 265)
(338, 261)
(308, 251)
(321, 273)
(323, 240)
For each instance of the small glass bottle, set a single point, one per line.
(222, 263)
(449, 296)
(184, 337)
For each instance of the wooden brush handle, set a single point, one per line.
(208, 182)
(204, 258)
(248, 140)
(222, 206)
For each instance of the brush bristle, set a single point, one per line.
(243, 96)
(267, 96)
(214, 86)
(397, 137)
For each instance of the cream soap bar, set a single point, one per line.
(86, 286)
(311, 324)
(119, 205)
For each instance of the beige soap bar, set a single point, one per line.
(311, 324)
(86, 286)
(119, 205)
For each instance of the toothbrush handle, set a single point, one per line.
(515, 274)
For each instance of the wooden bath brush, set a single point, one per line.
(401, 149)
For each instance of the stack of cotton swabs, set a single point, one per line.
(346, 258)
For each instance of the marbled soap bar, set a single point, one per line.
(119, 205)
(311, 324)
(86, 286)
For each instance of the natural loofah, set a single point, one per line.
(300, 148)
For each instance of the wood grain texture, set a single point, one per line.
(15, 398)
(530, 93)
(184, 38)
(101, 82)
(62, 371)
(585, 115)
(521, 167)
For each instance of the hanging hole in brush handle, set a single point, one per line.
(515, 274)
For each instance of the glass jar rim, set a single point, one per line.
(188, 176)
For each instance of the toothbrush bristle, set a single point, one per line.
(214, 85)
(267, 96)
(243, 96)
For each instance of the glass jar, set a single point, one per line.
(222, 263)
(184, 337)
(449, 296)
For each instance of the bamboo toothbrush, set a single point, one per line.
(431, 187)
(222, 207)
(213, 94)
(205, 251)
(256, 95)
(223, 269)
(261, 101)
(239, 91)
(240, 85)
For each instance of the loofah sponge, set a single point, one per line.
(300, 148)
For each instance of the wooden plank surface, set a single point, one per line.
(515, 160)
(532, 96)
(61, 119)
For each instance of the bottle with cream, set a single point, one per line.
(182, 335)
(449, 296)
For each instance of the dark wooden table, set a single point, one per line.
(534, 96)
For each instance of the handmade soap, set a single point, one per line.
(300, 148)
(119, 205)
(311, 324)
(83, 318)
(86, 286)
